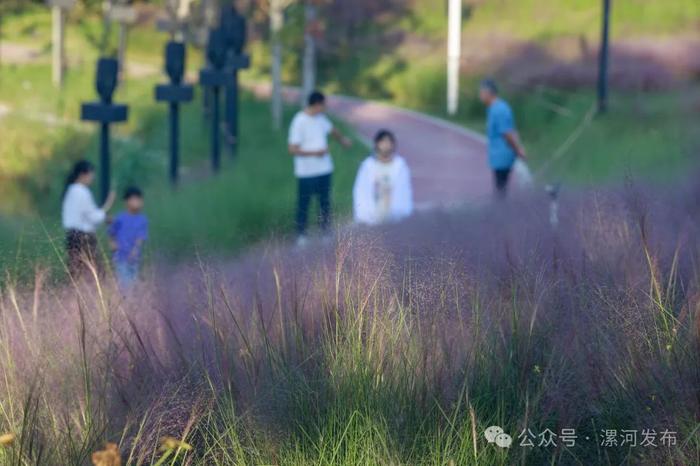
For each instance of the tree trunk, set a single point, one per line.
(121, 50)
(57, 50)
(276, 23)
(1, 18)
(106, 29)
(309, 60)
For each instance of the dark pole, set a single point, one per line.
(233, 26)
(216, 76)
(174, 143)
(603, 57)
(233, 118)
(104, 162)
(175, 93)
(105, 112)
(206, 97)
(206, 103)
(215, 147)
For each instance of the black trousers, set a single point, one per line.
(500, 182)
(82, 250)
(314, 186)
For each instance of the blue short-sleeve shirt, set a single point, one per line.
(128, 231)
(499, 122)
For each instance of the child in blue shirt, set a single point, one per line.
(127, 233)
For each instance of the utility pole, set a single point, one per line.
(603, 57)
(309, 60)
(454, 46)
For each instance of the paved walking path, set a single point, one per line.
(448, 162)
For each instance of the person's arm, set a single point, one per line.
(404, 192)
(510, 134)
(362, 196)
(341, 138)
(109, 202)
(112, 231)
(142, 237)
(91, 212)
(134, 253)
(513, 140)
(296, 137)
(295, 150)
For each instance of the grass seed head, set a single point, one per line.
(171, 443)
(107, 457)
(6, 440)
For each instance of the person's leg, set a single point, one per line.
(126, 273)
(73, 253)
(82, 253)
(304, 192)
(324, 199)
(500, 178)
(92, 253)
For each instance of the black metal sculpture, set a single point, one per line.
(105, 112)
(234, 27)
(215, 76)
(175, 93)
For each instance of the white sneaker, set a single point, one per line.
(302, 241)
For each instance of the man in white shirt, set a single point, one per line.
(313, 166)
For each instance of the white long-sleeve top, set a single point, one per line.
(79, 210)
(382, 191)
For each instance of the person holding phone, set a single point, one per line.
(313, 165)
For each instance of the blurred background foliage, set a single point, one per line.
(543, 53)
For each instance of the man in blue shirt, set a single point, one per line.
(503, 141)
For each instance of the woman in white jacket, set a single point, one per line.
(81, 217)
(382, 191)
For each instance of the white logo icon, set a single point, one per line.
(495, 434)
(504, 440)
(491, 433)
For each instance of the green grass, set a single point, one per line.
(251, 199)
(543, 20)
(31, 26)
(650, 135)
(254, 198)
(647, 134)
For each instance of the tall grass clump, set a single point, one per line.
(397, 345)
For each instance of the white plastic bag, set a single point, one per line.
(522, 176)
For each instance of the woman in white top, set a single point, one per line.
(382, 191)
(81, 216)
